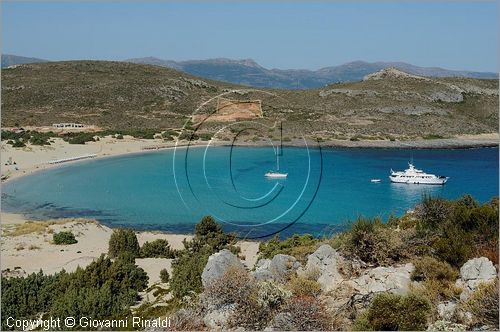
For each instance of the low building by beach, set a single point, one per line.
(68, 125)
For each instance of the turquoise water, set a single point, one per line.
(325, 189)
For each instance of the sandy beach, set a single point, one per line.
(27, 246)
(33, 158)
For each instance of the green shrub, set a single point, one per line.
(188, 266)
(391, 312)
(186, 272)
(371, 241)
(298, 246)
(164, 276)
(437, 280)
(454, 245)
(432, 212)
(18, 144)
(430, 268)
(79, 138)
(64, 238)
(156, 249)
(123, 241)
(119, 136)
(104, 289)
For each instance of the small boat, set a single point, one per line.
(375, 180)
(277, 174)
(411, 175)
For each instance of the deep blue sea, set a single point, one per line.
(171, 190)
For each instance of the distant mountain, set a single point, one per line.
(248, 72)
(11, 60)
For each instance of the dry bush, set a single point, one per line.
(490, 251)
(430, 268)
(307, 313)
(272, 295)
(188, 319)
(251, 315)
(437, 280)
(301, 286)
(483, 304)
(437, 290)
(236, 286)
(372, 242)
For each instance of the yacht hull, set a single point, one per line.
(276, 175)
(436, 181)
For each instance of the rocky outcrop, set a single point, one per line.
(218, 319)
(474, 272)
(392, 73)
(446, 310)
(217, 265)
(280, 268)
(349, 92)
(443, 325)
(326, 262)
(447, 96)
(381, 279)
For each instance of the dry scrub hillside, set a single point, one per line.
(118, 95)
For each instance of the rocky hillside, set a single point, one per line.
(387, 105)
(432, 269)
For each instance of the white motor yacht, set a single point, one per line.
(416, 176)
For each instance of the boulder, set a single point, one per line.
(446, 310)
(262, 271)
(380, 279)
(443, 325)
(280, 268)
(325, 261)
(474, 272)
(217, 265)
(219, 319)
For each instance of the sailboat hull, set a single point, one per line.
(276, 175)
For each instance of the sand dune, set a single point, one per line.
(22, 254)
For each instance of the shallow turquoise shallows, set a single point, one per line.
(171, 191)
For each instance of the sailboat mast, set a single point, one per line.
(281, 137)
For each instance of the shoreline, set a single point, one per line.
(131, 146)
(26, 253)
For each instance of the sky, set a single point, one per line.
(299, 35)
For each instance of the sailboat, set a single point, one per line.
(279, 150)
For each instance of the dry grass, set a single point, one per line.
(38, 227)
(483, 304)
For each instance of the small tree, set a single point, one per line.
(164, 276)
(156, 249)
(123, 241)
(206, 226)
(64, 238)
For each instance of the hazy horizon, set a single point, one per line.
(455, 36)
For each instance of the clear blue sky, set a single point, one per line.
(456, 35)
